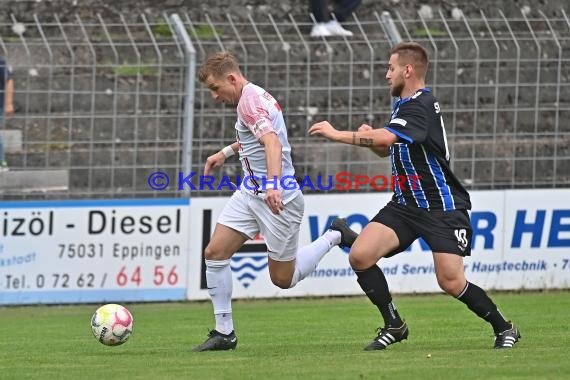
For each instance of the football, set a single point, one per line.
(112, 324)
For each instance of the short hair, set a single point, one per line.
(218, 65)
(412, 53)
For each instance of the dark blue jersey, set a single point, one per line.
(420, 158)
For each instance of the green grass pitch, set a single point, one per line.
(292, 339)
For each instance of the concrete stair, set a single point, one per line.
(34, 181)
(12, 140)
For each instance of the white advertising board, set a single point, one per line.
(521, 240)
(151, 250)
(536, 246)
(93, 251)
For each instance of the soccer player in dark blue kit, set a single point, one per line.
(434, 207)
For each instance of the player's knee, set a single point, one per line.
(451, 286)
(282, 283)
(281, 280)
(360, 261)
(210, 253)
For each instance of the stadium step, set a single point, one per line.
(12, 140)
(34, 181)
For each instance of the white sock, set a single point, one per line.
(333, 237)
(224, 323)
(309, 256)
(220, 286)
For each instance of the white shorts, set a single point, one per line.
(250, 215)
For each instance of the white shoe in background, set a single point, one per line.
(321, 30)
(336, 29)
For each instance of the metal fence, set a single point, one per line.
(102, 104)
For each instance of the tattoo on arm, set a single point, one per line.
(362, 141)
(366, 142)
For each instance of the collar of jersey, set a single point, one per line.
(401, 101)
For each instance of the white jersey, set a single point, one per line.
(258, 114)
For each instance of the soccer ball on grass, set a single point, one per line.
(112, 324)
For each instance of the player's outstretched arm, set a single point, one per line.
(218, 159)
(379, 139)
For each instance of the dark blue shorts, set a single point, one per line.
(443, 231)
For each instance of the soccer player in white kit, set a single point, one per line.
(262, 204)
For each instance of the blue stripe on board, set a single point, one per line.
(91, 296)
(97, 203)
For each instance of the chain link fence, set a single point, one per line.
(102, 104)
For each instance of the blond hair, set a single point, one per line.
(218, 65)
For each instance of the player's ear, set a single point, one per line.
(409, 71)
(231, 77)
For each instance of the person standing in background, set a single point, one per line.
(326, 27)
(6, 104)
